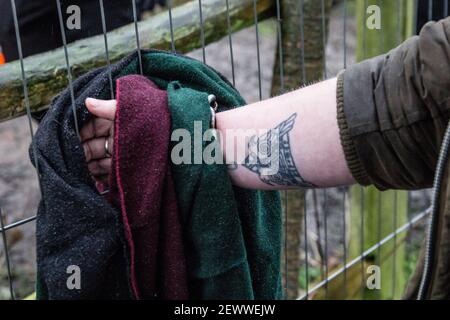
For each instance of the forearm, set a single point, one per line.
(302, 127)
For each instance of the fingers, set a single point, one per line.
(101, 183)
(87, 131)
(100, 168)
(102, 108)
(95, 128)
(93, 137)
(95, 149)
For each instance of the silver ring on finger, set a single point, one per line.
(107, 151)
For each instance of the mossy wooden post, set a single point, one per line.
(379, 220)
(47, 75)
(291, 63)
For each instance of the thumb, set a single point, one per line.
(102, 108)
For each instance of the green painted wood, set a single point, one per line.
(396, 25)
(47, 75)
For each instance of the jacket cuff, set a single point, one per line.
(351, 156)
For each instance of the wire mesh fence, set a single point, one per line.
(335, 235)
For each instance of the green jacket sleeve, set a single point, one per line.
(393, 111)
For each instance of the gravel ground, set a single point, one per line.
(19, 192)
(19, 198)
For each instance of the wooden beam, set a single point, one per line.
(350, 287)
(379, 208)
(46, 73)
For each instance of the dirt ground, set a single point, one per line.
(19, 192)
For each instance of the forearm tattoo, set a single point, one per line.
(270, 157)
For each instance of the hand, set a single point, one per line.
(94, 135)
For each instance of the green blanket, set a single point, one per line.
(232, 235)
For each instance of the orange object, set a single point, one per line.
(2, 58)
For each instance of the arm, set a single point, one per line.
(380, 123)
(307, 134)
(309, 140)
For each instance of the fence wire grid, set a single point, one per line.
(327, 250)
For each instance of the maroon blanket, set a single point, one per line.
(141, 185)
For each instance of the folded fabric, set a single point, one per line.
(232, 236)
(141, 186)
